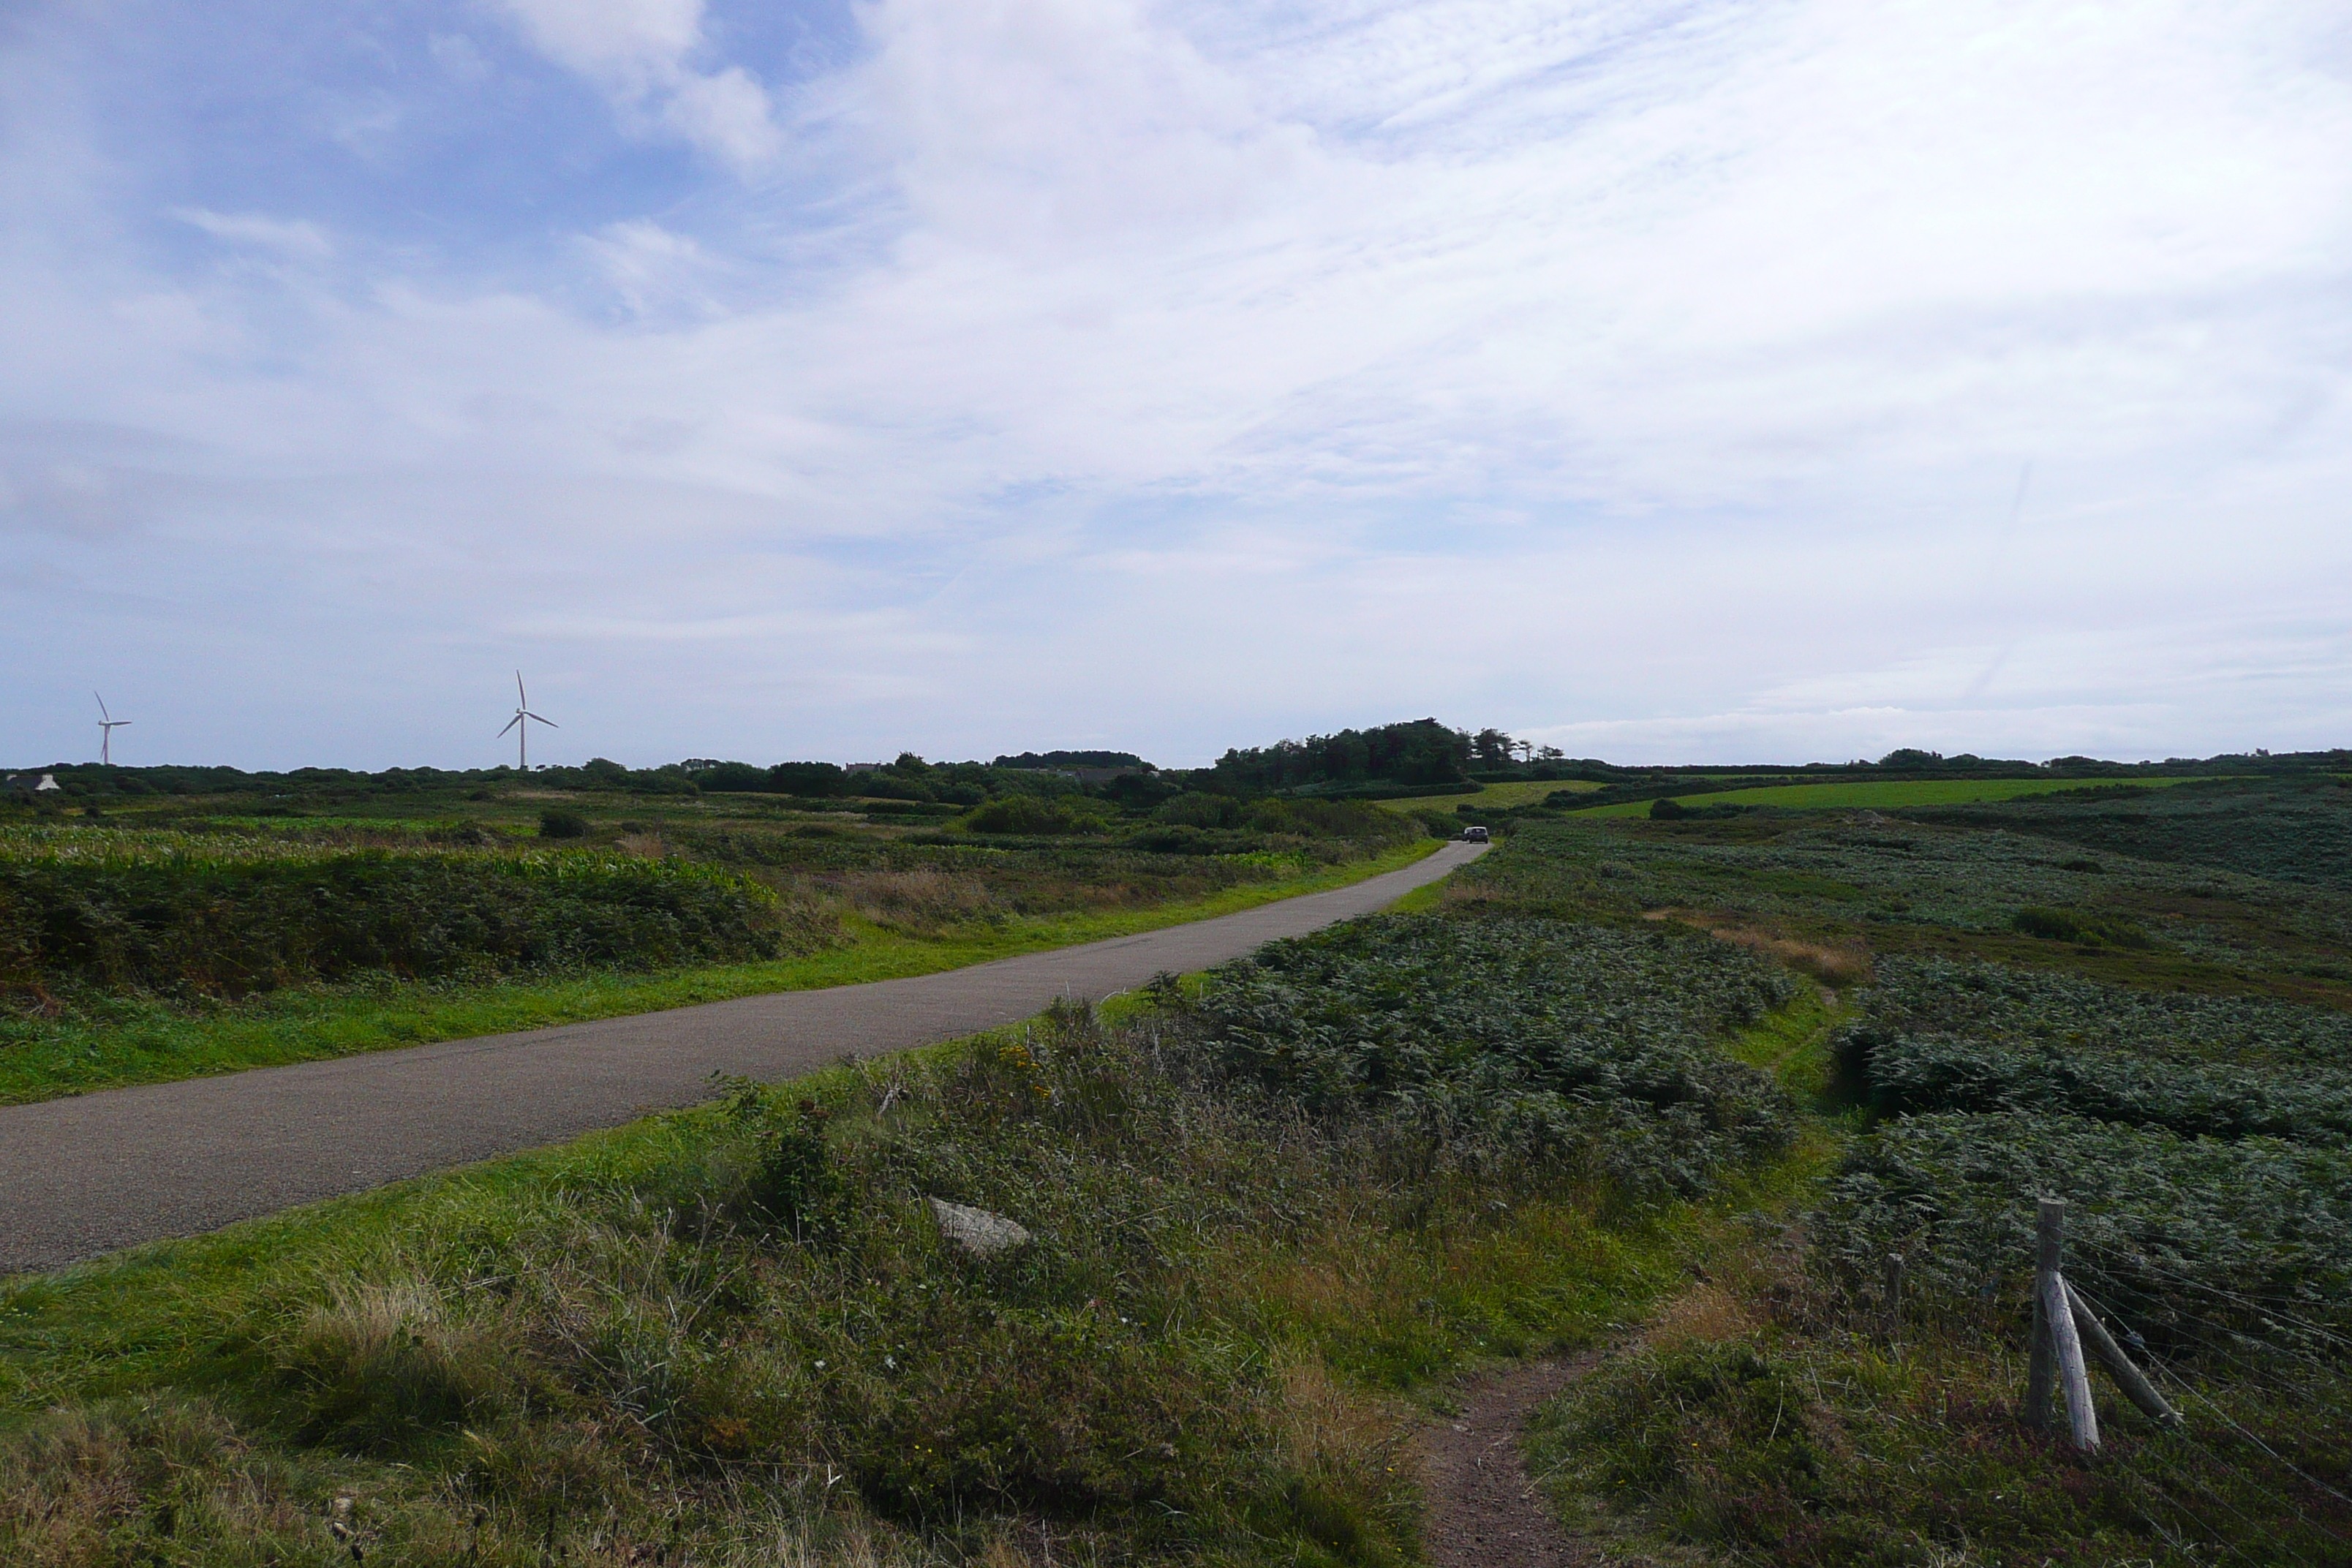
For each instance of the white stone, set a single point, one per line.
(977, 1231)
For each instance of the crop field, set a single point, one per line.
(1883, 795)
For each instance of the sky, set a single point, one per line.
(1777, 381)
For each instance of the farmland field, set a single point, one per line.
(1884, 794)
(1517, 792)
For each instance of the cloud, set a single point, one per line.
(643, 54)
(1186, 374)
(291, 237)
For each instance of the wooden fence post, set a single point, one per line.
(2129, 1378)
(2081, 1414)
(2049, 1251)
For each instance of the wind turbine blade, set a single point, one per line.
(511, 723)
(520, 700)
(103, 713)
(549, 723)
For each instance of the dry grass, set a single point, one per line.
(1704, 1314)
(1836, 967)
(921, 901)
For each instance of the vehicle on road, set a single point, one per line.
(1475, 836)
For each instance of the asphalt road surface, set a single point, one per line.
(87, 1175)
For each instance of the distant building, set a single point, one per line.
(25, 784)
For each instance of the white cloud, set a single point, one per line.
(291, 237)
(643, 54)
(1183, 377)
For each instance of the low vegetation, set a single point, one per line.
(2181, 1091)
(178, 934)
(1675, 1089)
(736, 1333)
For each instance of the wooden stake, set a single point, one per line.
(1894, 1283)
(2129, 1378)
(2082, 1416)
(2049, 1251)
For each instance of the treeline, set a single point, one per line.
(1420, 756)
(1419, 751)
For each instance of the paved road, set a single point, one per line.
(87, 1174)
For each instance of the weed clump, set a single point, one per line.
(2072, 925)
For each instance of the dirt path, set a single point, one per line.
(1483, 1511)
(87, 1175)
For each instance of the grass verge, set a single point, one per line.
(143, 1042)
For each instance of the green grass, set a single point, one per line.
(1892, 793)
(139, 1042)
(1497, 796)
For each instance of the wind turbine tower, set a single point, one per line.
(520, 724)
(106, 725)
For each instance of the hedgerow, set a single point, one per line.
(1523, 1039)
(235, 926)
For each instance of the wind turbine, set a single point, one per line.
(106, 725)
(520, 724)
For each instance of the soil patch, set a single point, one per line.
(1483, 1511)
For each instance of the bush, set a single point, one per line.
(2072, 925)
(1527, 1039)
(1028, 814)
(814, 779)
(562, 825)
(2172, 1232)
(1941, 1036)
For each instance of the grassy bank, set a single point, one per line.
(130, 1039)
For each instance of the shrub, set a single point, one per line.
(2173, 1232)
(1517, 1038)
(1935, 1034)
(814, 779)
(2075, 926)
(1028, 814)
(1196, 809)
(562, 825)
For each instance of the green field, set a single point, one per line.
(1894, 793)
(1521, 793)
